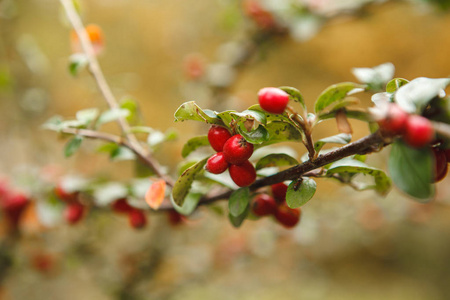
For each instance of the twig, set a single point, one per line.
(94, 67)
(365, 145)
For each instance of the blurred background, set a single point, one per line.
(348, 245)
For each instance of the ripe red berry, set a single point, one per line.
(288, 217)
(273, 100)
(73, 213)
(137, 218)
(174, 217)
(237, 150)
(121, 206)
(264, 205)
(243, 174)
(279, 192)
(13, 204)
(441, 167)
(395, 120)
(419, 131)
(217, 163)
(217, 137)
(65, 196)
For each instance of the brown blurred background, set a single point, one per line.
(349, 245)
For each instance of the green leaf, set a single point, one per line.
(250, 115)
(271, 117)
(112, 115)
(336, 93)
(396, 83)
(184, 182)
(77, 62)
(412, 171)
(238, 202)
(414, 96)
(193, 144)
(342, 138)
(297, 198)
(352, 114)
(276, 160)
(238, 220)
(132, 106)
(73, 145)
(349, 166)
(54, 123)
(375, 77)
(189, 205)
(117, 152)
(86, 116)
(191, 111)
(257, 136)
(294, 94)
(282, 132)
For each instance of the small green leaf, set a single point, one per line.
(189, 205)
(191, 111)
(77, 62)
(348, 167)
(184, 182)
(238, 220)
(336, 93)
(238, 202)
(294, 94)
(297, 198)
(112, 115)
(282, 132)
(54, 123)
(132, 106)
(412, 170)
(414, 96)
(193, 144)
(250, 114)
(122, 153)
(342, 138)
(395, 84)
(86, 116)
(73, 145)
(257, 136)
(375, 77)
(276, 160)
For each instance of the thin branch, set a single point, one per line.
(94, 67)
(371, 143)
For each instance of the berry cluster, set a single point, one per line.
(136, 217)
(233, 153)
(74, 210)
(417, 131)
(12, 203)
(275, 205)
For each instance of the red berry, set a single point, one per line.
(259, 15)
(441, 167)
(174, 217)
(395, 120)
(279, 192)
(243, 174)
(217, 163)
(419, 131)
(62, 194)
(121, 206)
(217, 137)
(137, 218)
(13, 205)
(288, 217)
(273, 100)
(73, 213)
(237, 150)
(264, 205)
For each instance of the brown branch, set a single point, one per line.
(94, 67)
(365, 145)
